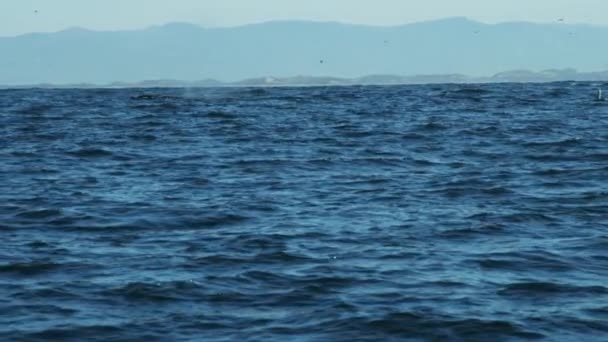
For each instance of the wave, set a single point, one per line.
(439, 212)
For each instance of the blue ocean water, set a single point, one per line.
(379, 213)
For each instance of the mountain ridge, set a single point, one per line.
(190, 52)
(513, 76)
(461, 19)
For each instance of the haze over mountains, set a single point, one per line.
(191, 53)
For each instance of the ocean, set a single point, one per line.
(449, 212)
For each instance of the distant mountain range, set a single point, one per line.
(511, 76)
(327, 53)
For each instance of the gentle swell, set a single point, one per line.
(389, 213)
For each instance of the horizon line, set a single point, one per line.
(267, 81)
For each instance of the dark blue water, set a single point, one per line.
(444, 212)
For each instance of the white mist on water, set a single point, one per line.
(203, 93)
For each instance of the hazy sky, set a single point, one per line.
(23, 16)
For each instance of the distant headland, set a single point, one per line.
(453, 50)
(516, 76)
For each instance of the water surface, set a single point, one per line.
(439, 212)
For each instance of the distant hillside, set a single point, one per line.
(283, 49)
(510, 76)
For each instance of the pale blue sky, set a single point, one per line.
(23, 16)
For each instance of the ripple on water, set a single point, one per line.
(437, 212)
